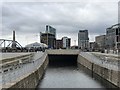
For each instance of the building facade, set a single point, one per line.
(66, 42)
(83, 40)
(74, 47)
(119, 12)
(100, 41)
(51, 30)
(59, 44)
(113, 37)
(48, 39)
(92, 46)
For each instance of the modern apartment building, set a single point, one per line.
(113, 37)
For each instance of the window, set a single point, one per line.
(118, 38)
(117, 33)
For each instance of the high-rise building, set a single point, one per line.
(48, 39)
(83, 40)
(113, 37)
(66, 42)
(51, 30)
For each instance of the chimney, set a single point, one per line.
(13, 36)
(13, 43)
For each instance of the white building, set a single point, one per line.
(66, 42)
(36, 45)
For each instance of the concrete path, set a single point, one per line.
(109, 54)
(11, 55)
(14, 75)
(101, 62)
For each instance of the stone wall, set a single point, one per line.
(31, 80)
(107, 74)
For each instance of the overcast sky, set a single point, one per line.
(28, 18)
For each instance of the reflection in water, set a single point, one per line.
(67, 77)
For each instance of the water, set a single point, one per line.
(68, 77)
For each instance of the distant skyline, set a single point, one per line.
(28, 18)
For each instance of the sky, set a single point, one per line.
(29, 17)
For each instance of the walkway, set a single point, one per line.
(12, 76)
(11, 55)
(105, 62)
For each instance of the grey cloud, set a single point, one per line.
(65, 17)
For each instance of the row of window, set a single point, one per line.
(115, 31)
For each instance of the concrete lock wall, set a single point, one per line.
(107, 74)
(31, 80)
(63, 52)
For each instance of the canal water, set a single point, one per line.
(67, 77)
(61, 74)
